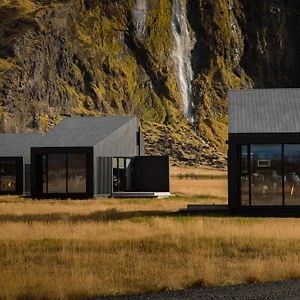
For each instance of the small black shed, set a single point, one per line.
(264, 149)
(15, 162)
(95, 156)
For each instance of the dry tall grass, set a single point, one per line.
(76, 249)
(215, 189)
(17, 206)
(175, 171)
(63, 259)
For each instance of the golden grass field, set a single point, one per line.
(211, 187)
(78, 249)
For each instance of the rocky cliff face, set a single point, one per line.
(170, 62)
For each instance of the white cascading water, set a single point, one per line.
(234, 30)
(140, 18)
(182, 55)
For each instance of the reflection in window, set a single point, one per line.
(121, 163)
(266, 175)
(8, 177)
(57, 167)
(57, 173)
(76, 173)
(291, 174)
(244, 176)
(115, 163)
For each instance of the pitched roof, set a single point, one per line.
(264, 110)
(18, 144)
(83, 131)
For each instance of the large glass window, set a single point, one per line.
(266, 174)
(8, 177)
(57, 173)
(292, 174)
(270, 174)
(244, 175)
(76, 173)
(63, 173)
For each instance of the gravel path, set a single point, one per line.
(282, 290)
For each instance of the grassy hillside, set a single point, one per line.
(87, 57)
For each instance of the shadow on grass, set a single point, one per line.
(98, 216)
(219, 210)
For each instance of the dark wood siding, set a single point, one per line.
(104, 175)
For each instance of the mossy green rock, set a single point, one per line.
(91, 57)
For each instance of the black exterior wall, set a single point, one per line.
(104, 183)
(36, 171)
(234, 169)
(126, 141)
(19, 174)
(151, 174)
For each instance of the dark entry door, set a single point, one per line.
(11, 175)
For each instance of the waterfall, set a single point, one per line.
(140, 18)
(234, 30)
(183, 46)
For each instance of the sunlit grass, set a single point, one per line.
(62, 259)
(55, 249)
(206, 182)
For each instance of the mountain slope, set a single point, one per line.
(168, 62)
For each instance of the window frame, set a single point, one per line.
(249, 173)
(36, 171)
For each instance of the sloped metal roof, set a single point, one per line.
(18, 144)
(264, 110)
(83, 131)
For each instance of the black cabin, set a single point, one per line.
(83, 157)
(264, 150)
(95, 157)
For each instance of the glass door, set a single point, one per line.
(122, 174)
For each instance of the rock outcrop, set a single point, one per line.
(170, 62)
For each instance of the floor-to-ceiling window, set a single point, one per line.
(8, 176)
(291, 174)
(266, 174)
(64, 173)
(270, 174)
(76, 173)
(57, 170)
